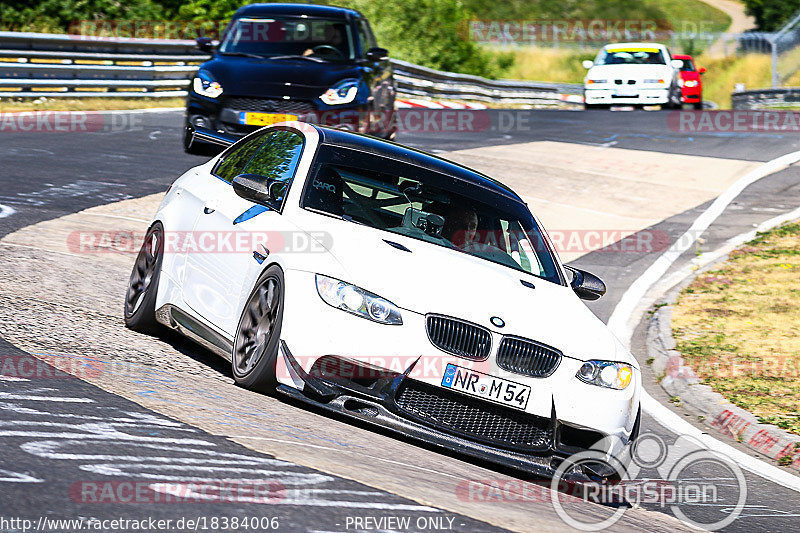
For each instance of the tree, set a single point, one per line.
(770, 15)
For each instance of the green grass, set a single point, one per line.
(736, 326)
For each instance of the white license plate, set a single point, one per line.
(626, 92)
(488, 387)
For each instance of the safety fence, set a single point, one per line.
(53, 65)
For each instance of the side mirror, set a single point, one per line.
(587, 64)
(702, 70)
(205, 44)
(260, 190)
(377, 54)
(586, 285)
(676, 63)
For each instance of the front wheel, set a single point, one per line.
(255, 348)
(140, 299)
(698, 105)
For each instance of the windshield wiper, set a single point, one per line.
(309, 58)
(243, 54)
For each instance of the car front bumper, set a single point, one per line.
(611, 96)
(572, 415)
(228, 114)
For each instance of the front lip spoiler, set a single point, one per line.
(351, 404)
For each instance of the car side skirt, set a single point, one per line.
(182, 322)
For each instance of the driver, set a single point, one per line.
(461, 226)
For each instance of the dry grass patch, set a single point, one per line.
(737, 327)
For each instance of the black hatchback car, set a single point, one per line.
(278, 62)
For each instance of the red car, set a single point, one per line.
(690, 82)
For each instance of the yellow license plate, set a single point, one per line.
(263, 119)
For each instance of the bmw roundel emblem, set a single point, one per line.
(497, 321)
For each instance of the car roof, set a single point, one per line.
(405, 154)
(296, 10)
(636, 45)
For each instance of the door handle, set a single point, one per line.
(208, 210)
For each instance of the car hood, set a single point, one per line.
(244, 76)
(630, 71)
(435, 279)
(689, 75)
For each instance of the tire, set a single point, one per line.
(140, 298)
(698, 105)
(256, 345)
(590, 107)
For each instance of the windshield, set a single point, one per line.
(631, 56)
(687, 66)
(325, 39)
(428, 206)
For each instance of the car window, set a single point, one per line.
(277, 158)
(687, 66)
(233, 162)
(326, 39)
(428, 206)
(365, 36)
(631, 56)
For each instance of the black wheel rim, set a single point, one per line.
(143, 271)
(258, 325)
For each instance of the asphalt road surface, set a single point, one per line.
(46, 175)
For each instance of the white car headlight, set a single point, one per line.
(342, 93)
(590, 82)
(657, 82)
(357, 301)
(204, 85)
(606, 374)
(691, 83)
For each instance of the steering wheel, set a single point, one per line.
(327, 48)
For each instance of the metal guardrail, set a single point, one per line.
(53, 65)
(766, 98)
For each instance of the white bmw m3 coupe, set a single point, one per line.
(389, 285)
(632, 74)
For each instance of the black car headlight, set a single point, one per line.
(343, 92)
(606, 374)
(204, 85)
(357, 301)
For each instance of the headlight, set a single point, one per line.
(606, 374)
(596, 81)
(342, 93)
(657, 82)
(357, 301)
(691, 83)
(205, 86)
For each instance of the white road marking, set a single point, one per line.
(624, 315)
(17, 477)
(624, 312)
(32, 397)
(12, 378)
(6, 211)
